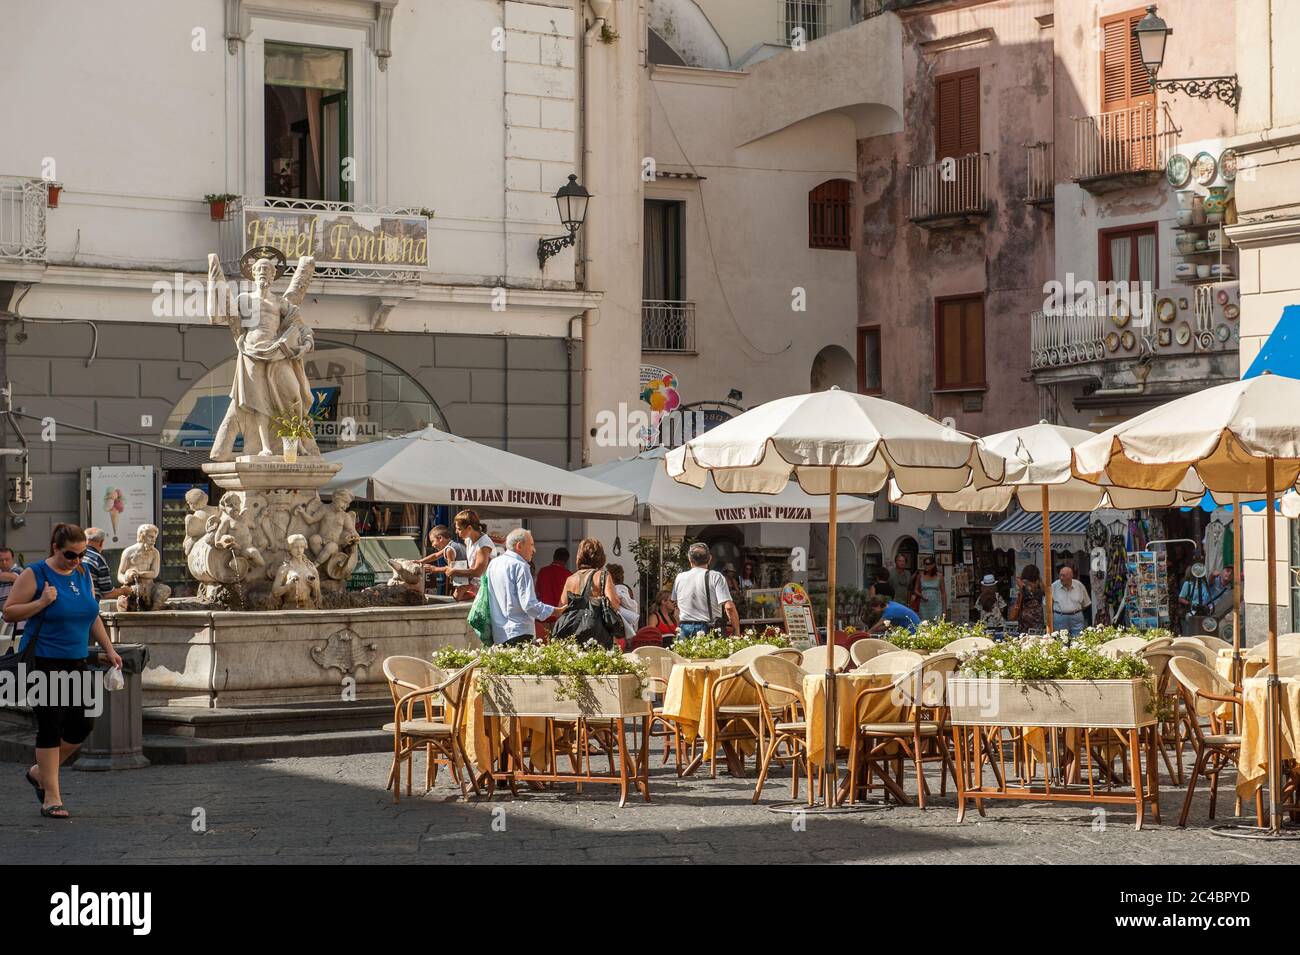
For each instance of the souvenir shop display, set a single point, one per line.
(1148, 589)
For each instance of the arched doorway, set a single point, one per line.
(833, 367)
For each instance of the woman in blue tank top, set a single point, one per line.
(57, 599)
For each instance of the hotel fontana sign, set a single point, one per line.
(341, 239)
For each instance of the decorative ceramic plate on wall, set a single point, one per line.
(1112, 341)
(1178, 170)
(1121, 314)
(1128, 339)
(1204, 168)
(1166, 310)
(1222, 332)
(1222, 296)
(1164, 337)
(1231, 310)
(1183, 334)
(1228, 164)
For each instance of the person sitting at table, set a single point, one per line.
(663, 613)
(884, 614)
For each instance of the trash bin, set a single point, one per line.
(117, 740)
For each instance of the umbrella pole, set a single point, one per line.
(829, 716)
(1048, 621)
(1273, 698)
(1236, 588)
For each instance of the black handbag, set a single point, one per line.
(589, 618)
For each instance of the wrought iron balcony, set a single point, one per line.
(1123, 148)
(1067, 336)
(22, 218)
(1040, 177)
(949, 191)
(667, 326)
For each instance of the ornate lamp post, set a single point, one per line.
(572, 200)
(1152, 33)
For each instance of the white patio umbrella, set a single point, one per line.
(1238, 439)
(670, 503)
(433, 467)
(833, 441)
(1038, 477)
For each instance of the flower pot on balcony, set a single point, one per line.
(217, 211)
(52, 190)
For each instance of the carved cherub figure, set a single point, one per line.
(336, 530)
(297, 582)
(138, 569)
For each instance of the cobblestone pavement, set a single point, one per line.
(335, 810)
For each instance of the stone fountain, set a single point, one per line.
(274, 622)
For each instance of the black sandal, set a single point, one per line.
(53, 812)
(40, 793)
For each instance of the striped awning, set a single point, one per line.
(1023, 530)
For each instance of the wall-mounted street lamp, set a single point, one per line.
(1152, 32)
(572, 199)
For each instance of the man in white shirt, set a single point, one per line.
(702, 595)
(512, 600)
(1069, 600)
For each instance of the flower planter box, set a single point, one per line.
(602, 697)
(1122, 704)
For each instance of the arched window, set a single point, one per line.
(830, 214)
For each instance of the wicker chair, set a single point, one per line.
(437, 733)
(868, 647)
(734, 722)
(1113, 648)
(1214, 643)
(966, 644)
(787, 653)
(1203, 691)
(743, 656)
(896, 661)
(815, 659)
(659, 664)
(1197, 648)
(779, 682)
(924, 690)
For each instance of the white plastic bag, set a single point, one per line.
(113, 679)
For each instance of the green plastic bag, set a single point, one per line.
(480, 613)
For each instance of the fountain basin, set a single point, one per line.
(219, 658)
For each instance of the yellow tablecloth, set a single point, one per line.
(878, 708)
(1252, 768)
(474, 734)
(1249, 667)
(688, 700)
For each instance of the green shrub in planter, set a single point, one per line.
(715, 645)
(932, 635)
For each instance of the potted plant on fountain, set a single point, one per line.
(217, 202)
(293, 430)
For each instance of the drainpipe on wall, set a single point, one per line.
(584, 44)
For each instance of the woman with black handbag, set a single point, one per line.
(590, 608)
(57, 599)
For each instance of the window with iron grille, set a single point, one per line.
(806, 16)
(830, 213)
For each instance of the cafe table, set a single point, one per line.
(879, 708)
(688, 702)
(1252, 765)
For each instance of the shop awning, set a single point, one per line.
(1023, 530)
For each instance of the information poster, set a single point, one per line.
(121, 499)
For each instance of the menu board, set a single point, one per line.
(799, 622)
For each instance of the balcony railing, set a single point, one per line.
(1123, 142)
(1040, 177)
(22, 218)
(667, 326)
(950, 188)
(231, 242)
(1068, 336)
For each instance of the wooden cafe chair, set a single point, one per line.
(865, 648)
(815, 659)
(780, 683)
(659, 667)
(1203, 690)
(438, 733)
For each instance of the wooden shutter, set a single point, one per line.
(959, 342)
(830, 208)
(957, 114)
(1124, 80)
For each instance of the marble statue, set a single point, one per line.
(297, 581)
(406, 573)
(139, 569)
(334, 542)
(196, 521)
(271, 345)
(234, 536)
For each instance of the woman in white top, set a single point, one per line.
(478, 551)
(627, 605)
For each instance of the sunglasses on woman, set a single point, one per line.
(73, 555)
